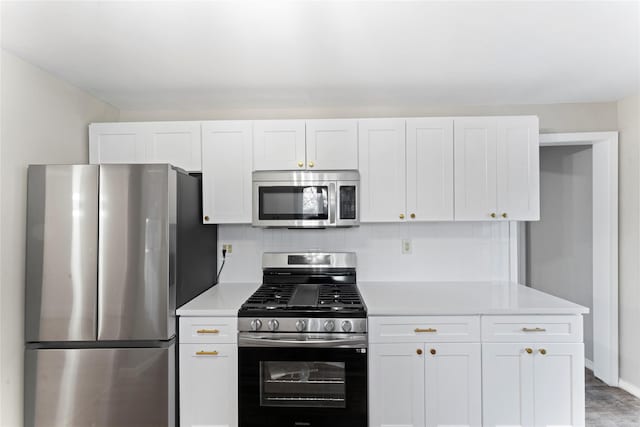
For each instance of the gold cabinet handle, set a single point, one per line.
(401, 216)
(419, 351)
(432, 351)
(206, 353)
(413, 216)
(504, 215)
(208, 331)
(418, 330)
(492, 214)
(543, 351)
(300, 164)
(311, 164)
(528, 350)
(206, 218)
(534, 330)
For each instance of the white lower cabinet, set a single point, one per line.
(425, 384)
(533, 384)
(208, 385)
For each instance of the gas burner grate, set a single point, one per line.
(271, 295)
(338, 295)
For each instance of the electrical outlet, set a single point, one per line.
(406, 247)
(227, 247)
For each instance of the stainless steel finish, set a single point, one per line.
(137, 212)
(101, 387)
(61, 255)
(347, 326)
(265, 339)
(329, 325)
(331, 179)
(273, 325)
(305, 176)
(311, 325)
(336, 259)
(256, 324)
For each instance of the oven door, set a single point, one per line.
(295, 205)
(302, 386)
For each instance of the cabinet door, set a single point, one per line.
(558, 382)
(279, 145)
(177, 143)
(430, 169)
(507, 385)
(117, 143)
(208, 385)
(381, 150)
(332, 144)
(396, 385)
(453, 388)
(226, 172)
(518, 170)
(475, 168)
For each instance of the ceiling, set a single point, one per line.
(277, 54)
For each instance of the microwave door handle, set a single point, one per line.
(333, 194)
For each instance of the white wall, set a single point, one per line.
(44, 120)
(473, 251)
(629, 244)
(553, 118)
(560, 245)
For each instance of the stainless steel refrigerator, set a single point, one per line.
(112, 250)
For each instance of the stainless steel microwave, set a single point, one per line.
(306, 199)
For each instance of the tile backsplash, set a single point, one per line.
(446, 251)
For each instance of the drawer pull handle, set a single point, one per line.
(206, 353)
(534, 330)
(418, 330)
(208, 331)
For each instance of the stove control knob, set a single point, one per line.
(273, 325)
(301, 325)
(329, 325)
(347, 326)
(256, 324)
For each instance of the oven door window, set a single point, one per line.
(302, 384)
(294, 202)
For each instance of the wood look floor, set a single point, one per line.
(609, 406)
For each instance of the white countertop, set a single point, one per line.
(224, 299)
(460, 298)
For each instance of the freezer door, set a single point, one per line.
(61, 256)
(100, 387)
(136, 292)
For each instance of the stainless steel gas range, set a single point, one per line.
(303, 344)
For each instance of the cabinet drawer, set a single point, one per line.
(424, 329)
(208, 330)
(532, 328)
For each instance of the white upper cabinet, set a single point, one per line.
(177, 143)
(332, 144)
(475, 168)
(279, 145)
(429, 169)
(382, 157)
(496, 168)
(226, 172)
(314, 144)
(518, 168)
(117, 143)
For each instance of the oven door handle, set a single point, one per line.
(359, 341)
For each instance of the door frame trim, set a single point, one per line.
(605, 245)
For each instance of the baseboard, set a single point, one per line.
(629, 388)
(588, 364)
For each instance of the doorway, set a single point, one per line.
(547, 269)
